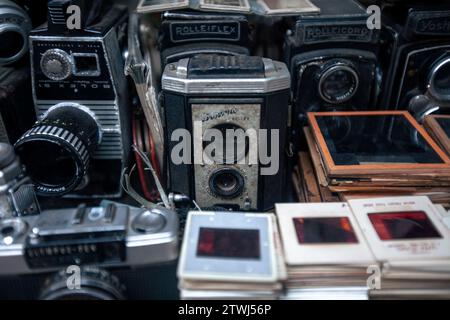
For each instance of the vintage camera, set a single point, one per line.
(17, 195)
(80, 144)
(227, 93)
(15, 26)
(184, 34)
(113, 237)
(418, 56)
(333, 61)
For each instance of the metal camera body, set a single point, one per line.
(83, 69)
(227, 92)
(184, 34)
(418, 58)
(17, 195)
(333, 61)
(15, 26)
(110, 236)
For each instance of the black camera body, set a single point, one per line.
(184, 34)
(80, 144)
(333, 61)
(418, 56)
(221, 93)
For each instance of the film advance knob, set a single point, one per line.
(56, 64)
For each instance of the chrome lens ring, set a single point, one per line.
(333, 71)
(435, 81)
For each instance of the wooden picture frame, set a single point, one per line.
(382, 168)
(436, 131)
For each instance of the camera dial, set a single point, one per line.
(56, 64)
(338, 82)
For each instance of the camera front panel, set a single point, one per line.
(230, 179)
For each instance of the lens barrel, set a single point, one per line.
(227, 183)
(15, 26)
(57, 150)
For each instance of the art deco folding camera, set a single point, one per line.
(333, 61)
(418, 57)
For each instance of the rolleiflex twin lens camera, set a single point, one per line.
(419, 75)
(187, 33)
(227, 93)
(333, 60)
(110, 235)
(80, 143)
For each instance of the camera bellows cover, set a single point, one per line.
(229, 255)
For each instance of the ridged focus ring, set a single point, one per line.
(57, 150)
(64, 139)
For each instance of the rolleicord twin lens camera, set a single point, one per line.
(226, 95)
(333, 60)
(17, 195)
(80, 143)
(109, 236)
(186, 33)
(419, 52)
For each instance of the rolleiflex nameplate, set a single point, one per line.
(229, 246)
(402, 228)
(225, 5)
(288, 6)
(321, 233)
(161, 5)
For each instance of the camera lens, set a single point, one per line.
(57, 149)
(226, 183)
(338, 83)
(439, 80)
(96, 284)
(15, 43)
(15, 26)
(235, 144)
